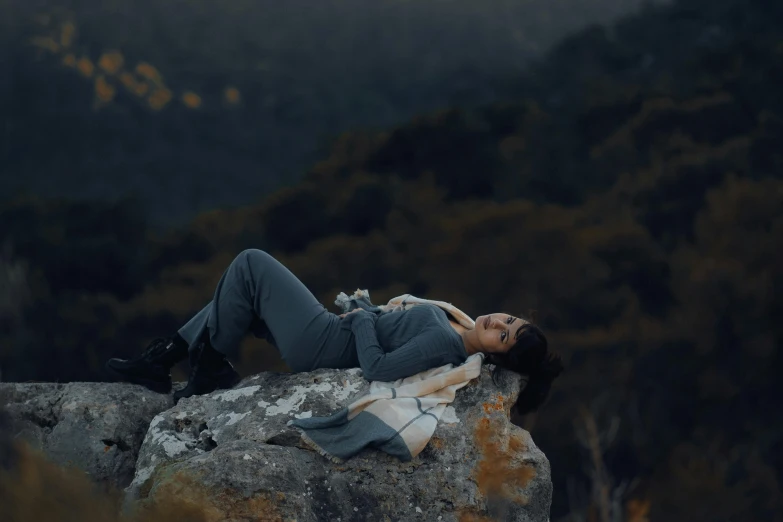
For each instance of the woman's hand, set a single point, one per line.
(352, 312)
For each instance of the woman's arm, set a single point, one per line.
(407, 360)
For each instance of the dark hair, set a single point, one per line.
(531, 358)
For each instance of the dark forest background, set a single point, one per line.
(622, 180)
(274, 83)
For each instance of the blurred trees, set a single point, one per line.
(271, 82)
(637, 208)
(14, 298)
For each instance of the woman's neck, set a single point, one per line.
(468, 340)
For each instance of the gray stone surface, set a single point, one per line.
(96, 427)
(233, 452)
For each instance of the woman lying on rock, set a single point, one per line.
(257, 293)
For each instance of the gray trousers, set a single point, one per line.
(258, 294)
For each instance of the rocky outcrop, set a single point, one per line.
(233, 457)
(96, 427)
(233, 452)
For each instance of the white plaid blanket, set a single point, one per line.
(396, 417)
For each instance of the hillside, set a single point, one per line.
(631, 195)
(162, 98)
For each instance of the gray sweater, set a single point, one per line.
(395, 345)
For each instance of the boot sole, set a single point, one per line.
(223, 385)
(229, 383)
(150, 384)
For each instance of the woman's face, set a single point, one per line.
(497, 333)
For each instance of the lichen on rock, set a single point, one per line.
(230, 455)
(234, 451)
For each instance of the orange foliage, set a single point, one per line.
(159, 98)
(191, 100)
(139, 88)
(111, 62)
(67, 34)
(104, 91)
(149, 72)
(637, 510)
(232, 95)
(38, 489)
(85, 66)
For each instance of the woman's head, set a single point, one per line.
(515, 344)
(497, 333)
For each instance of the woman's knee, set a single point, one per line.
(251, 263)
(253, 256)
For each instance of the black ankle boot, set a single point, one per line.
(152, 368)
(210, 371)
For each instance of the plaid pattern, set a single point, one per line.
(396, 417)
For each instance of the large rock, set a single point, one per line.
(96, 427)
(232, 454)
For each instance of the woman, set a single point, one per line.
(257, 293)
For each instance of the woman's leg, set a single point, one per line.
(256, 287)
(255, 292)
